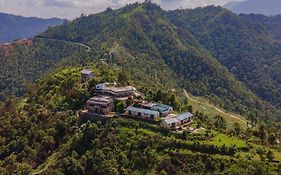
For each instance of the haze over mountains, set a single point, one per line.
(266, 7)
(16, 27)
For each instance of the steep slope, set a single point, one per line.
(271, 23)
(141, 40)
(143, 29)
(16, 27)
(244, 47)
(266, 7)
(25, 62)
(37, 137)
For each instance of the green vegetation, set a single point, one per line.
(236, 43)
(42, 135)
(222, 139)
(160, 53)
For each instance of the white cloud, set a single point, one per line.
(73, 8)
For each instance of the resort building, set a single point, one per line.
(143, 113)
(118, 93)
(184, 118)
(100, 105)
(164, 110)
(86, 75)
(177, 122)
(170, 122)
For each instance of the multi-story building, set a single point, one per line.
(100, 105)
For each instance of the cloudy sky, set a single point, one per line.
(73, 8)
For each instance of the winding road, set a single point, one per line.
(232, 116)
(80, 44)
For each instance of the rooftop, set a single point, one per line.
(160, 107)
(184, 116)
(170, 120)
(145, 111)
(103, 99)
(86, 72)
(120, 89)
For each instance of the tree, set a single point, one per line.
(237, 128)
(120, 107)
(123, 78)
(270, 156)
(220, 123)
(261, 153)
(262, 133)
(272, 139)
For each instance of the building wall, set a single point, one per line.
(143, 115)
(94, 108)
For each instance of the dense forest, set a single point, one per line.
(17, 27)
(43, 135)
(271, 23)
(209, 51)
(231, 61)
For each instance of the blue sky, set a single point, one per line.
(73, 8)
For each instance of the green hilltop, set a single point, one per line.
(223, 60)
(42, 134)
(155, 45)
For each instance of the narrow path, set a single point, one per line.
(80, 44)
(232, 116)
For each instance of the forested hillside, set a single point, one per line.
(43, 135)
(210, 51)
(22, 64)
(271, 23)
(230, 60)
(246, 48)
(16, 27)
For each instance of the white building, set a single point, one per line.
(143, 113)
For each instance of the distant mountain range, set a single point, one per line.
(266, 7)
(16, 27)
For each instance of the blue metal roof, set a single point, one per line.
(160, 107)
(144, 111)
(184, 116)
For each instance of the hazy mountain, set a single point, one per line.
(16, 27)
(266, 7)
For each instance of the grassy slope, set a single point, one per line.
(201, 104)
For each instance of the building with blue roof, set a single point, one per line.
(178, 121)
(170, 122)
(184, 118)
(163, 109)
(143, 113)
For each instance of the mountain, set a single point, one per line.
(202, 50)
(246, 48)
(43, 135)
(271, 23)
(231, 61)
(16, 27)
(266, 7)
